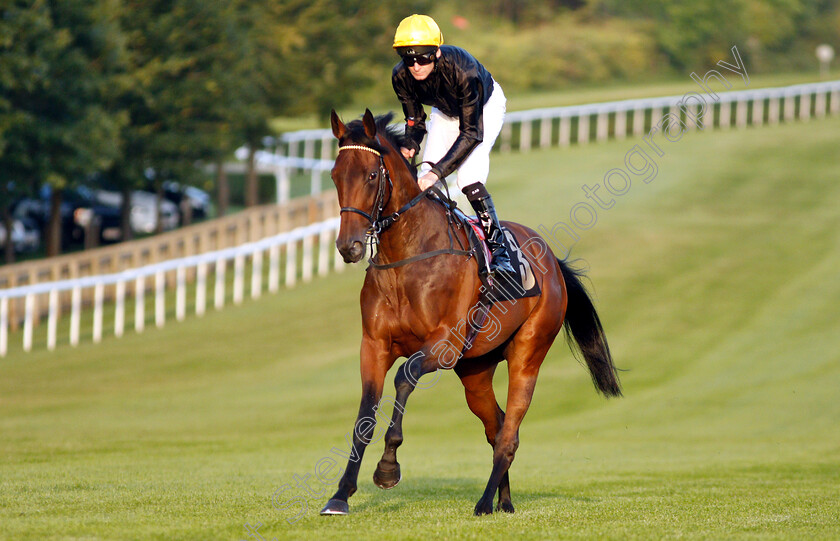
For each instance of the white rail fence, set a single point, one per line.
(315, 241)
(581, 124)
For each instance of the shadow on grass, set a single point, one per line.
(460, 492)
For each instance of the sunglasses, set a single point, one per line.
(422, 59)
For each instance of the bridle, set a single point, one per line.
(379, 202)
(379, 223)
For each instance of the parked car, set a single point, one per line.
(79, 210)
(144, 210)
(186, 198)
(25, 236)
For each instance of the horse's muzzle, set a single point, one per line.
(352, 252)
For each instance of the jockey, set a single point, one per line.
(468, 110)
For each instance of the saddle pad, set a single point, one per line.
(503, 289)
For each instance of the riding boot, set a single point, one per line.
(482, 203)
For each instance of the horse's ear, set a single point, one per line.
(338, 127)
(370, 124)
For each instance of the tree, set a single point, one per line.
(57, 58)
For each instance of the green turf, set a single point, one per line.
(718, 286)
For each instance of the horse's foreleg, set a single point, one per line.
(387, 473)
(375, 364)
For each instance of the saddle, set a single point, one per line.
(503, 288)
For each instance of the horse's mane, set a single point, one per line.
(394, 134)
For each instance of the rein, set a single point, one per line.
(379, 223)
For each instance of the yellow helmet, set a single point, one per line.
(418, 30)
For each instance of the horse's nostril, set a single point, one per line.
(352, 252)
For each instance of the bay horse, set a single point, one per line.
(416, 300)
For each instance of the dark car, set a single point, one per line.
(186, 198)
(79, 212)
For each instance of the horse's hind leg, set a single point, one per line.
(524, 359)
(477, 378)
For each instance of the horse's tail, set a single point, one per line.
(583, 326)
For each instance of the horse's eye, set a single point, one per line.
(372, 175)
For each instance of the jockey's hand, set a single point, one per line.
(407, 153)
(427, 180)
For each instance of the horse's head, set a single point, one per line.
(360, 177)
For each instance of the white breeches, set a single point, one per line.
(442, 131)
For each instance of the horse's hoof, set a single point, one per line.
(483, 508)
(385, 479)
(336, 507)
(505, 506)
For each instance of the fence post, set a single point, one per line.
(256, 274)
(308, 260)
(741, 113)
(758, 112)
(281, 176)
(326, 147)
(219, 292)
(98, 294)
(819, 104)
(293, 149)
(139, 304)
(52, 320)
(201, 289)
(75, 315)
(602, 127)
(583, 129)
(773, 110)
(525, 136)
(119, 311)
(160, 299)
(805, 106)
(291, 262)
(565, 136)
(790, 106)
(180, 293)
(835, 101)
(725, 115)
(274, 268)
(29, 309)
(655, 116)
(238, 278)
(620, 124)
(638, 121)
(545, 132)
(323, 252)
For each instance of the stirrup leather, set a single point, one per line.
(486, 211)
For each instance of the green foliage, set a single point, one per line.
(770, 33)
(58, 59)
(566, 51)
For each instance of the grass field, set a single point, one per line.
(718, 286)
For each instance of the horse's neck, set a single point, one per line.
(420, 229)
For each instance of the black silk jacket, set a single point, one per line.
(459, 86)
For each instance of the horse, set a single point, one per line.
(416, 303)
